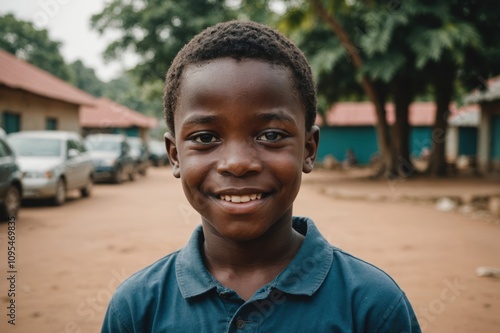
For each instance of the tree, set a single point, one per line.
(126, 90)
(408, 46)
(156, 30)
(375, 74)
(23, 40)
(85, 78)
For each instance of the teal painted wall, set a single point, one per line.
(129, 131)
(363, 140)
(336, 140)
(132, 131)
(420, 138)
(495, 138)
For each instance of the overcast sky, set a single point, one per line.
(68, 21)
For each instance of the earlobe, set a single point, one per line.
(310, 149)
(173, 156)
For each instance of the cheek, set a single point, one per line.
(286, 167)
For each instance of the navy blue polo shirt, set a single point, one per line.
(323, 289)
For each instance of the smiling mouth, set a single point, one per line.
(241, 198)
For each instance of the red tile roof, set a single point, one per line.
(363, 114)
(107, 113)
(18, 74)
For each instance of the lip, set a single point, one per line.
(240, 191)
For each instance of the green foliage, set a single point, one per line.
(431, 44)
(401, 38)
(86, 79)
(142, 98)
(156, 30)
(384, 67)
(22, 39)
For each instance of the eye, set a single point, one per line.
(204, 138)
(270, 136)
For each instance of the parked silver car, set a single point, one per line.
(111, 157)
(53, 163)
(11, 188)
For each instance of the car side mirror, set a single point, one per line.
(72, 153)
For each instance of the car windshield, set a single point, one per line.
(157, 147)
(102, 145)
(136, 144)
(36, 147)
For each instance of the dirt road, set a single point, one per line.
(70, 259)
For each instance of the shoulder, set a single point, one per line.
(358, 273)
(143, 289)
(149, 279)
(375, 299)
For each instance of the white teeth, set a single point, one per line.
(241, 198)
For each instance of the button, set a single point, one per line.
(240, 324)
(224, 295)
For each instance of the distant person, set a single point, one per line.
(350, 159)
(240, 104)
(425, 153)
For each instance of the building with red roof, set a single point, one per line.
(351, 126)
(107, 116)
(33, 99)
(488, 157)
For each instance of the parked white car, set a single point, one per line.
(53, 163)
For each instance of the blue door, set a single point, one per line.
(11, 122)
(495, 138)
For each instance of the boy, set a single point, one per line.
(240, 104)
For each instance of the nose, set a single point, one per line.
(239, 159)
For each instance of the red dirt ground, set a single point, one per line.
(70, 259)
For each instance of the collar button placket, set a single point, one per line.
(240, 324)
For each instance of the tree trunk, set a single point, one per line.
(403, 96)
(443, 87)
(387, 159)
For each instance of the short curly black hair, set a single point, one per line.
(242, 40)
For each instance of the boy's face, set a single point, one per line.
(240, 146)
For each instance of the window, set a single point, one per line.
(51, 124)
(71, 144)
(11, 122)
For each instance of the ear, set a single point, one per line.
(310, 149)
(173, 155)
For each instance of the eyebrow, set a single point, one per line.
(200, 120)
(262, 117)
(275, 116)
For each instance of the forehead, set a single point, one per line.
(236, 87)
(237, 81)
(245, 74)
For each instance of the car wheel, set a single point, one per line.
(11, 204)
(86, 191)
(60, 197)
(118, 176)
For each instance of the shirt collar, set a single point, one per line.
(303, 276)
(310, 266)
